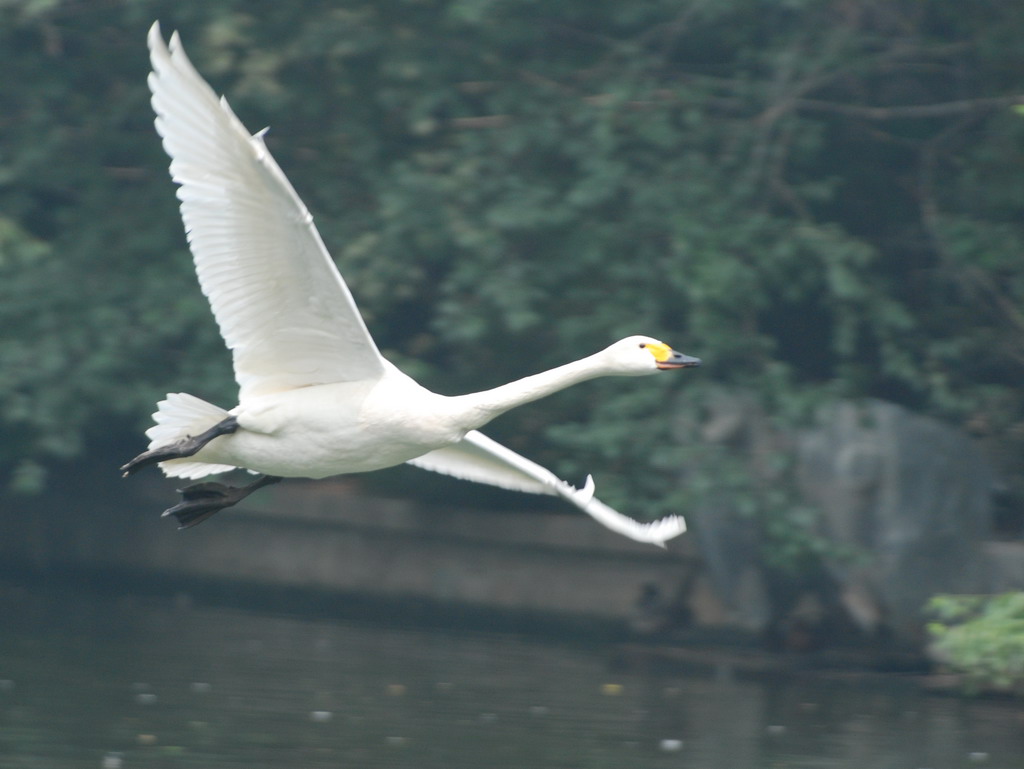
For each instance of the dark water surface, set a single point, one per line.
(101, 681)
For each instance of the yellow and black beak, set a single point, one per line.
(678, 360)
(667, 358)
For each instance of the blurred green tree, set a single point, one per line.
(819, 198)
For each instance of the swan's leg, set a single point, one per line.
(186, 447)
(201, 500)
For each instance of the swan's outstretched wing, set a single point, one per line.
(282, 307)
(478, 458)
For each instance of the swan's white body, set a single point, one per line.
(316, 397)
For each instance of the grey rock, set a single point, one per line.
(910, 495)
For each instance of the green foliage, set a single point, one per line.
(981, 636)
(819, 199)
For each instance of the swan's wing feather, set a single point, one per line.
(467, 461)
(478, 458)
(282, 307)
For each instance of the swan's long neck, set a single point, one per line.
(482, 407)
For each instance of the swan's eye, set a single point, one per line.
(643, 345)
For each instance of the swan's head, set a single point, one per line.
(637, 355)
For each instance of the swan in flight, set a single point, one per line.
(316, 398)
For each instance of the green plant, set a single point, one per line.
(981, 636)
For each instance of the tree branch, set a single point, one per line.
(910, 111)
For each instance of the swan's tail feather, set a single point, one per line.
(179, 416)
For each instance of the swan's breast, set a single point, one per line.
(400, 413)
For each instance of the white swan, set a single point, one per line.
(316, 397)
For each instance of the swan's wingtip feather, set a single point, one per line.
(155, 42)
(669, 527)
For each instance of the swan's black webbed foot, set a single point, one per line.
(186, 447)
(201, 500)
